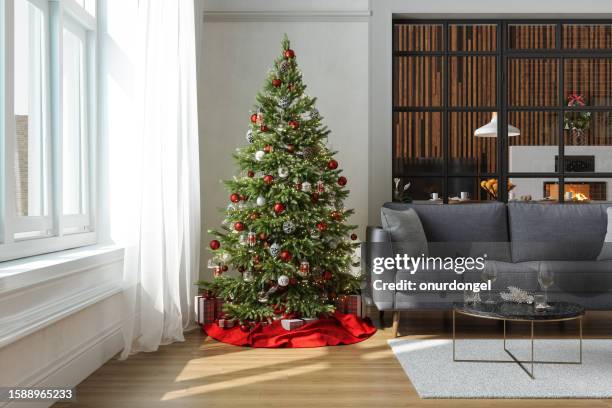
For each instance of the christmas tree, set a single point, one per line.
(284, 228)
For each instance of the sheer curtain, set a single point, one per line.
(152, 166)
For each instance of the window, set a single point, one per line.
(46, 133)
(502, 110)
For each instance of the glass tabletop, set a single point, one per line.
(521, 311)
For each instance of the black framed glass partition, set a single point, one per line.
(498, 110)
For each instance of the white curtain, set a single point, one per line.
(153, 165)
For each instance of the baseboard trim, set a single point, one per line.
(263, 16)
(73, 366)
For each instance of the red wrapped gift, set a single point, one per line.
(206, 311)
(219, 306)
(349, 304)
(226, 323)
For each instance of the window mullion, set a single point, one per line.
(7, 204)
(55, 45)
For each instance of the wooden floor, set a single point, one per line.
(204, 373)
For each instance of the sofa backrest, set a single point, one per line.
(464, 229)
(540, 232)
(461, 222)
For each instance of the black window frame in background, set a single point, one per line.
(502, 54)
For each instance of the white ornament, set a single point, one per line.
(306, 187)
(283, 172)
(274, 249)
(247, 276)
(249, 136)
(259, 155)
(283, 280)
(261, 201)
(288, 227)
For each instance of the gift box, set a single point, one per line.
(226, 323)
(206, 309)
(219, 306)
(349, 304)
(292, 324)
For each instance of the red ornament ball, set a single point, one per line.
(268, 179)
(267, 148)
(245, 327)
(279, 208)
(327, 275)
(251, 173)
(285, 256)
(239, 226)
(293, 281)
(289, 53)
(314, 198)
(224, 268)
(336, 215)
(290, 148)
(263, 128)
(353, 236)
(214, 245)
(254, 118)
(293, 124)
(332, 164)
(234, 198)
(321, 226)
(276, 82)
(342, 181)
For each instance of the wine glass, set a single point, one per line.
(545, 279)
(489, 273)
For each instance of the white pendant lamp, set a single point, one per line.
(490, 129)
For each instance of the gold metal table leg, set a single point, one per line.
(532, 361)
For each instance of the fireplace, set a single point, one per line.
(582, 190)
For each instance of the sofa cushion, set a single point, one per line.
(406, 231)
(469, 229)
(555, 232)
(606, 249)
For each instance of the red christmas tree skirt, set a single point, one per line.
(332, 331)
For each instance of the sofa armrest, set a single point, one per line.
(378, 244)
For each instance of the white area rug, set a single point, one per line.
(430, 367)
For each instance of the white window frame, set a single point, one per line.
(58, 14)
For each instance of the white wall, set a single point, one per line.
(237, 44)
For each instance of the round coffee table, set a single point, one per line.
(520, 312)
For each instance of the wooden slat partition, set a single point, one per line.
(531, 82)
(587, 36)
(531, 36)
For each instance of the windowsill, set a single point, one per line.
(42, 268)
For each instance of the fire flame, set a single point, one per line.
(579, 196)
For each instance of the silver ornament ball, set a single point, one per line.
(288, 227)
(283, 280)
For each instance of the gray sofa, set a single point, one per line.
(517, 238)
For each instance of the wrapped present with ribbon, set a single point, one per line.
(206, 309)
(349, 304)
(226, 323)
(292, 324)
